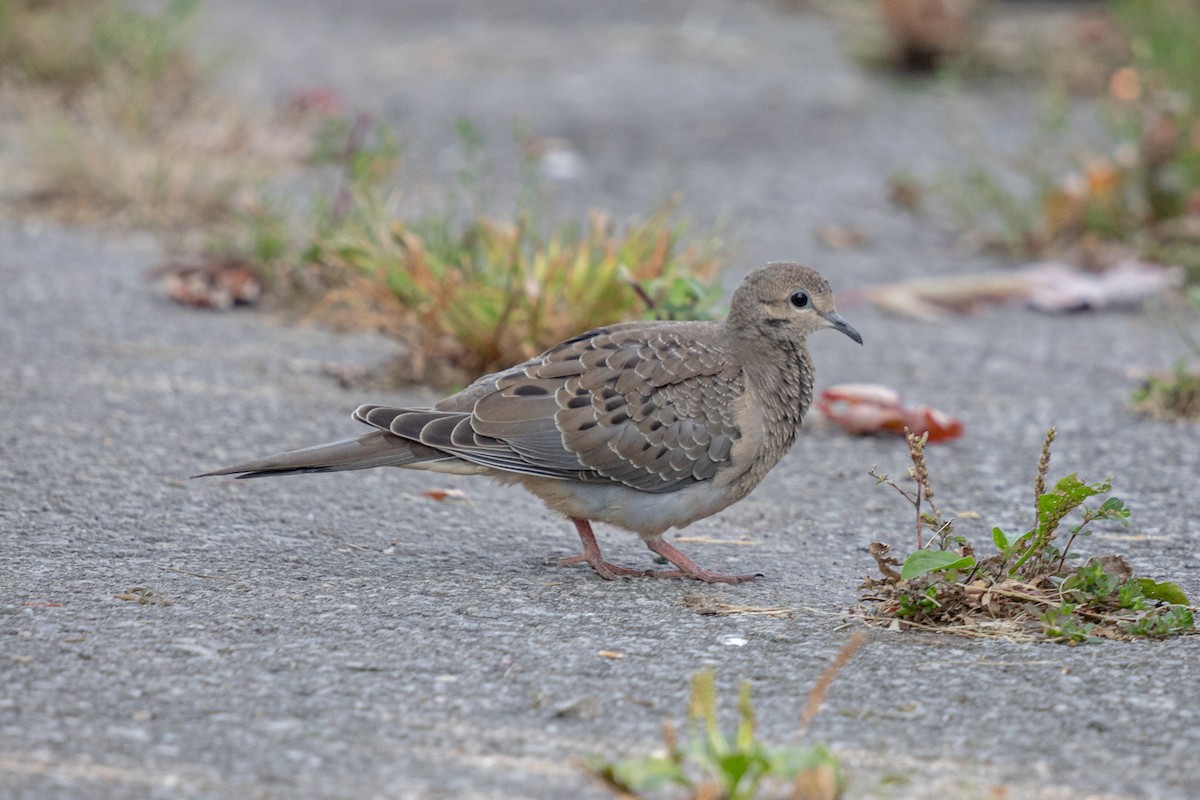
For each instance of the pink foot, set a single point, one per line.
(690, 569)
(591, 556)
(605, 569)
(685, 567)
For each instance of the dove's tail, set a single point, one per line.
(376, 449)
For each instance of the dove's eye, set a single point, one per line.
(799, 299)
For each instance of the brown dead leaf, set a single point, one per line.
(864, 408)
(879, 551)
(143, 596)
(1058, 287)
(1045, 286)
(444, 494)
(219, 285)
(932, 298)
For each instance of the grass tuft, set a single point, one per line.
(1173, 395)
(712, 764)
(486, 294)
(1033, 587)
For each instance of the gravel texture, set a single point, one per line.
(341, 636)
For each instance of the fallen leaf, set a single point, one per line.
(219, 285)
(1059, 287)
(932, 298)
(143, 596)
(610, 654)
(864, 408)
(880, 552)
(444, 494)
(1045, 286)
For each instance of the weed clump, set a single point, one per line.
(489, 294)
(1170, 395)
(712, 765)
(1174, 395)
(1033, 587)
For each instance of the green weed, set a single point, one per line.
(1175, 394)
(1171, 395)
(1032, 587)
(714, 765)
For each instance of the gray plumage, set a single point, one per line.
(643, 425)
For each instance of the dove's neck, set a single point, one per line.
(782, 376)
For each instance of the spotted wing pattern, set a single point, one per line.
(647, 405)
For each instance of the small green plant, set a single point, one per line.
(366, 148)
(1175, 394)
(1165, 621)
(495, 293)
(1171, 395)
(1033, 587)
(714, 765)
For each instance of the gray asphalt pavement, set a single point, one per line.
(342, 636)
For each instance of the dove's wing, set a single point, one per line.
(646, 405)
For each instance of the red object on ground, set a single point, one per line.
(863, 408)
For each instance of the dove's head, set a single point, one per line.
(785, 302)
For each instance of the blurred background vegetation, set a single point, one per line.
(113, 119)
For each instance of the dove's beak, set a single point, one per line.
(837, 322)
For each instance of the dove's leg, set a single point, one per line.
(688, 568)
(591, 556)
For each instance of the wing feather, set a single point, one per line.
(631, 403)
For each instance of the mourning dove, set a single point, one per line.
(644, 425)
